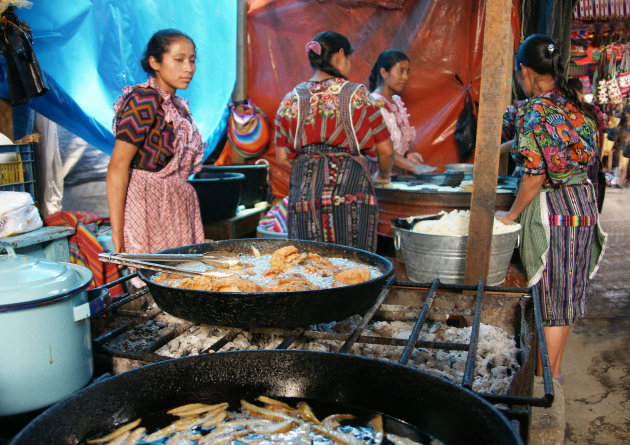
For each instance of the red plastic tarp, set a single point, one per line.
(443, 39)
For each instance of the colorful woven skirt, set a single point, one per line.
(332, 199)
(562, 288)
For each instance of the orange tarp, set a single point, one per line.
(443, 39)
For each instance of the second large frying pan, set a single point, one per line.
(272, 309)
(432, 404)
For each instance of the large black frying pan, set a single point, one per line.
(272, 309)
(430, 403)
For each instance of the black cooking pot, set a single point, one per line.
(272, 309)
(218, 194)
(427, 402)
(253, 189)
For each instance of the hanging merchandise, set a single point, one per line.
(600, 80)
(624, 72)
(600, 9)
(586, 82)
(24, 75)
(612, 84)
(248, 129)
(466, 129)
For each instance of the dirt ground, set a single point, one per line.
(596, 362)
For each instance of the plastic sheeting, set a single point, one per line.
(90, 49)
(443, 39)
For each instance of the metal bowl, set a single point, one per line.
(466, 168)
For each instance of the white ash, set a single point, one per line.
(200, 339)
(496, 359)
(495, 365)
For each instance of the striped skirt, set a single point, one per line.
(332, 199)
(562, 288)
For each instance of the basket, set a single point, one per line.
(11, 172)
(18, 175)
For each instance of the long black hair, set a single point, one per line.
(159, 44)
(387, 59)
(540, 53)
(331, 42)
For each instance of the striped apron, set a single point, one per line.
(331, 195)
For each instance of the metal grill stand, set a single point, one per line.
(510, 308)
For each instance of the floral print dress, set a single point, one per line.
(560, 245)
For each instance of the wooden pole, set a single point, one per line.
(240, 87)
(494, 69)
(509, 43)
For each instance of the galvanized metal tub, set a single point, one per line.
(428, 256)
(397, 203)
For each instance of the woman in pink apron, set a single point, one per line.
(151, 205)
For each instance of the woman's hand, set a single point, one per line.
(282, 158)
(420, 169)
(530, 185)
(381, 180)
(504, 217)
(414, 157)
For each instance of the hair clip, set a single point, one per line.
(550, 48)
(314, 46)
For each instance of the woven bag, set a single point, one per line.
(248, 129)
(600, 80)
(612, 84)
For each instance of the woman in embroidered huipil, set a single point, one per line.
(325, 128)
(556, 137)
(151, 205)
(388, 78)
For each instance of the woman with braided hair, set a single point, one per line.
(556, 138)
(325, 128)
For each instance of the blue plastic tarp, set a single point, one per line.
(90, 49)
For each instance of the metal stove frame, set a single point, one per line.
(516, 407)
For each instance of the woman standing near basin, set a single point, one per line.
(158, 146)
(388, 78)
(554, 142)
(324, 129)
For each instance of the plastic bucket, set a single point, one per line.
(428, 256)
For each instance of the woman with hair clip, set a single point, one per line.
(556, 138)
(387, 79)
(325, 128)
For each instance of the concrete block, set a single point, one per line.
(547, 425)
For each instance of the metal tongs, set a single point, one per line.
(217, 258)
